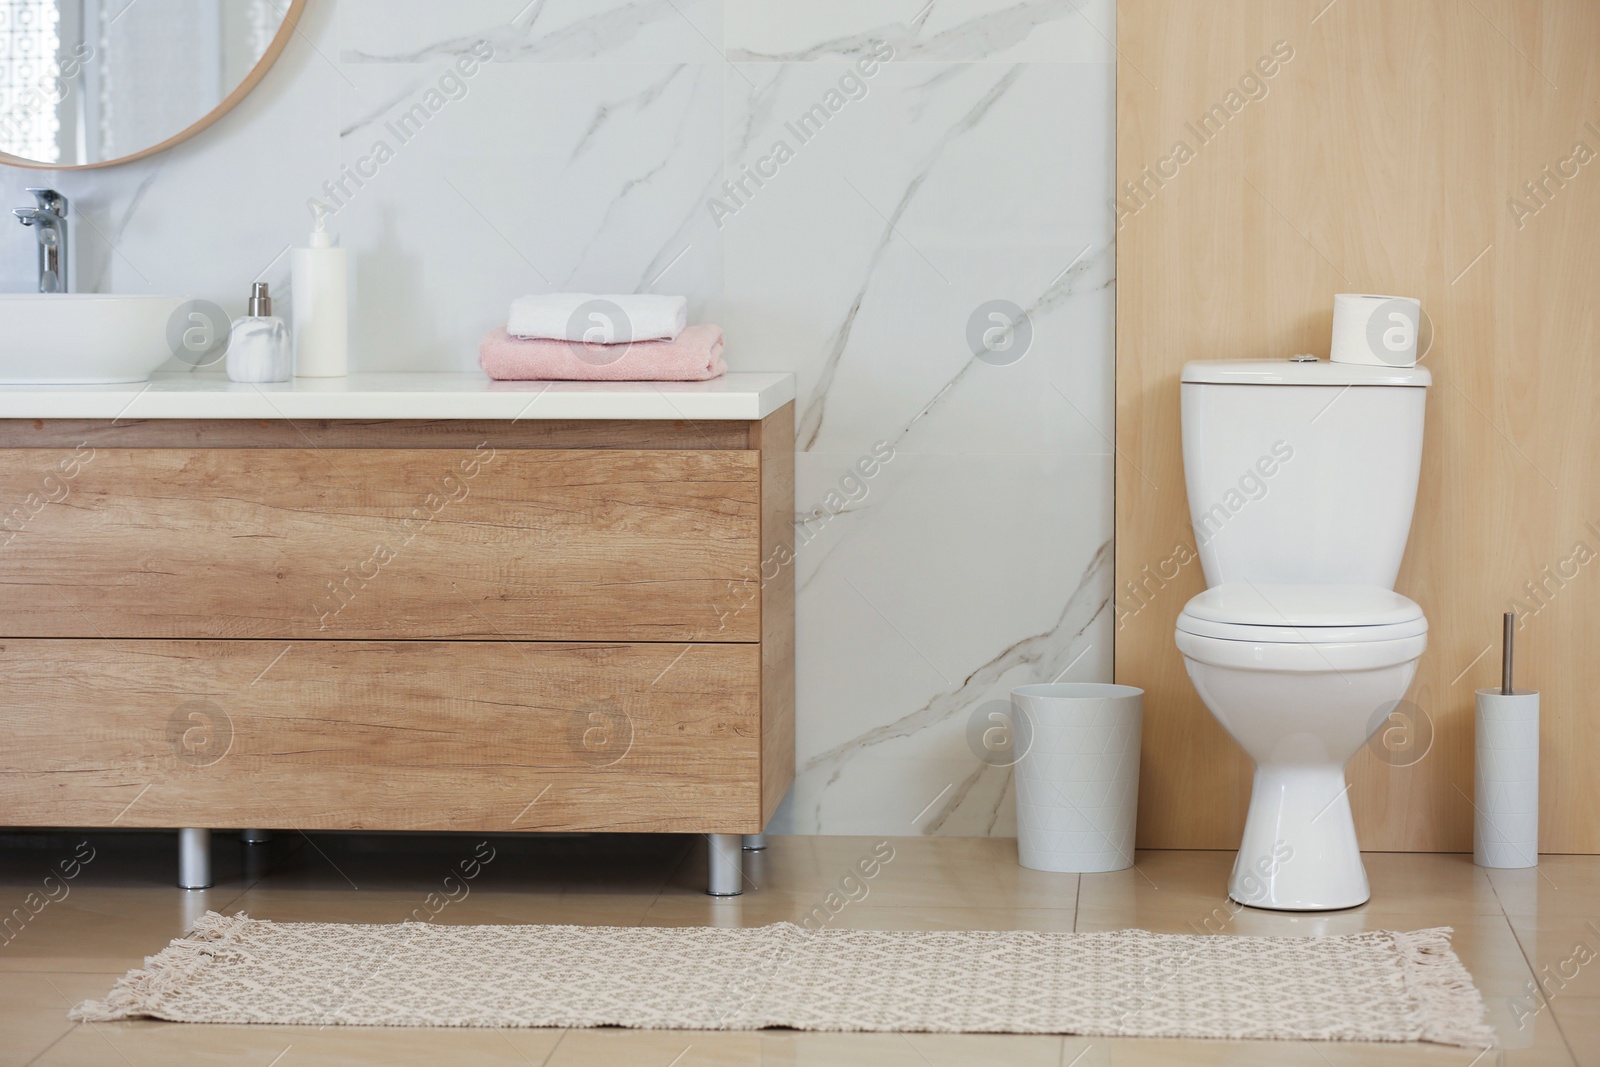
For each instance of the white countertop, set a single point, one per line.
(401, 396)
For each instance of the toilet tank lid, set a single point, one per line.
(1264, 604)
(1289, 372)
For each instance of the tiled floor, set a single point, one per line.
(121, 906)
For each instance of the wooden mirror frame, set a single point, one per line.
(279, 42)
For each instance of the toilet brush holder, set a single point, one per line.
(1506, 780)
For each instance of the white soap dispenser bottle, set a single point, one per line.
(319, 290)
(258, 343)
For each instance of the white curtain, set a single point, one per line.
(158, 69)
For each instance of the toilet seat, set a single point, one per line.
(1300, 656)
(1301, 614)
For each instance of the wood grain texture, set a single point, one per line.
(774, 436)
(637, 545)
(416, 735)
(373, 433)
(1389, 155)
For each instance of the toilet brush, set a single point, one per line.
(1506, 780)
(1508, 636)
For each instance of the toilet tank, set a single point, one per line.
(1301, 472)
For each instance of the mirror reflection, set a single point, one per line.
(89, 81)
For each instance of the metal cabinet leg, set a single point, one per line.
(255, 837)
(727, 865)
(755, 842)
(194, 859)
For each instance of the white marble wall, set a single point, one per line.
(976, 166)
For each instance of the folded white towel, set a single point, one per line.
(595, 319)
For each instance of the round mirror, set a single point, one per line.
(88, 83)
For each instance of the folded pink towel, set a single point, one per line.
(694, 356)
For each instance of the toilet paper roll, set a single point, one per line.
(1376, 331)
(1506, 780)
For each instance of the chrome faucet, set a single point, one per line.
(50, 221)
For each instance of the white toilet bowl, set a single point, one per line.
(1300, 676)
(1301, 477)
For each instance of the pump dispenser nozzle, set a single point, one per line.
(319, 233)
(260, 300)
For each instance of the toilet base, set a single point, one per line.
(1299, 851)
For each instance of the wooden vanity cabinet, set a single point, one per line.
(397, 624)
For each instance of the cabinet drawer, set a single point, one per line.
(413, 735)
(509, 544)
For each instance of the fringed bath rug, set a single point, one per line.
(1375, 986)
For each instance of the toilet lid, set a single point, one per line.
(1292, 372)
(1302, 614)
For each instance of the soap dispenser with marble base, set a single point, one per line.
(258, 343)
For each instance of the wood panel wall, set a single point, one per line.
(1442, 149)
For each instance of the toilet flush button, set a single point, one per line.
(1303, 357)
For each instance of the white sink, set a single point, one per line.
(84, 338)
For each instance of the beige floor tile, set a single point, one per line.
(1564, 951)
(1538, 1044)
(1153, 1053)
(1525, 1038)
(778, 1048)
(157, 1044)
(963, 872)
(379, 905)
(1176, 891)
(1142, 1052)
(95, 929)
(1427, 881)
(913, 1050)
(123, 907)
(1189, 886)
(33, 1009)
(1560, 885)
(680, 1048)
(1579, 1020)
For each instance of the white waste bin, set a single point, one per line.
(1077, 780)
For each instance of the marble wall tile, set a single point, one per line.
(974, 165)
(622, 157)
(960, 31)
(537, 31)
(957, 577)
(932, 194)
